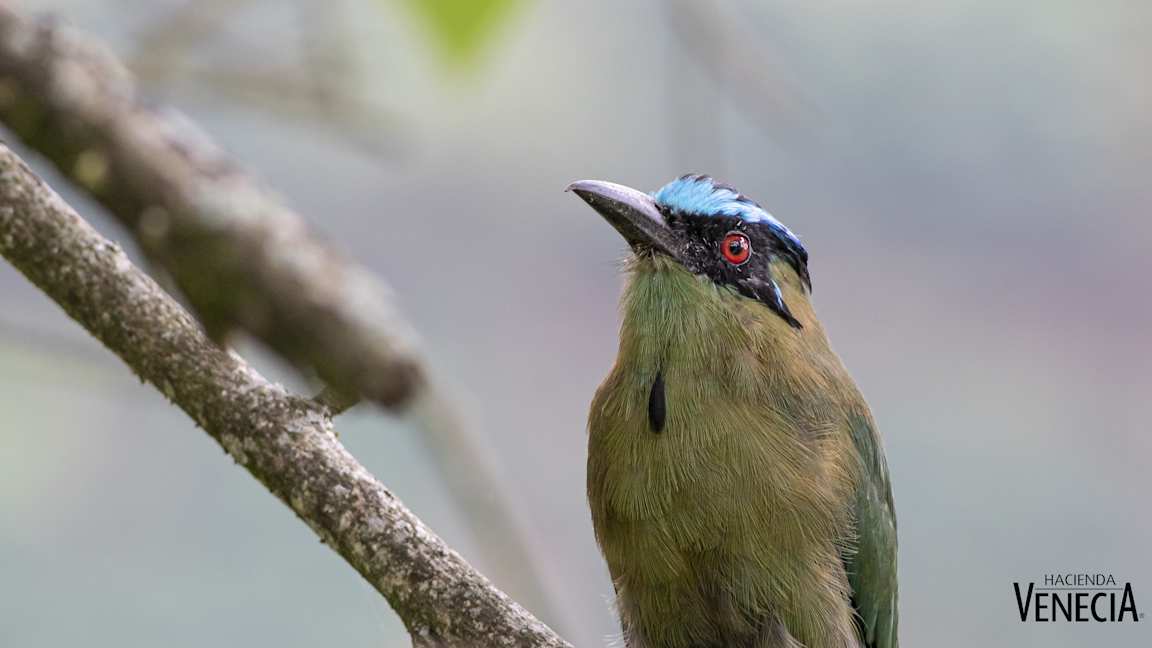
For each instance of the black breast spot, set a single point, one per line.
(657, 407)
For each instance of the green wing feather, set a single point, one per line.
(872, 566)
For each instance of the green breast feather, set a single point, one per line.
(755, 510)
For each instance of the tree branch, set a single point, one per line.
(285, 441)
(242, 259)
(201, 218)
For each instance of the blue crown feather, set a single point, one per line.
(702, 196)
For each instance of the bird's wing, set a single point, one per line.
(872, 566)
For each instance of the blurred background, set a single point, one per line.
(971, 179)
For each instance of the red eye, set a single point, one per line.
(736, 248)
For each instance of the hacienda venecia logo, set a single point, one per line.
(1077, 598)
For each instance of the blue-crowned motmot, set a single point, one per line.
(738, 486)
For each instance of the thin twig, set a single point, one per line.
(285, 441)
(317, 92)
(744, 68)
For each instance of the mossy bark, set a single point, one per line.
(285, 441)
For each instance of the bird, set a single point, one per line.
(737, 482)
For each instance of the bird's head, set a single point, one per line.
(711, 230)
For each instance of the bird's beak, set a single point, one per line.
(633, 213)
